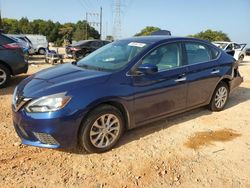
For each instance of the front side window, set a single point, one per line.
(229, 47)
(112, 56)
(165, 57)
(198, 53)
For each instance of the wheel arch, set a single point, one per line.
(115, 103)
(225, 79)
(7, 66)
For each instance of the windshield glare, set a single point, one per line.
(112, 56)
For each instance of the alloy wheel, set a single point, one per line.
(3, 76)
(105, 130)
(221, 97)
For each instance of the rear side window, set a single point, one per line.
(5, 40)
(198, 53)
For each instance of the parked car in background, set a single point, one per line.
(247, 52)
(39, 42)
(25, 42)
(12, 61)
(237, 49)
(24, 45)
(83, 48)
(123, 85)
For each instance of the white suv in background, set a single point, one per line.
(40, 43)
(232, 46)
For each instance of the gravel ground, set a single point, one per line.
(195, 149)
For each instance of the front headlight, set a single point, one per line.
(14, 99)
(48, 103)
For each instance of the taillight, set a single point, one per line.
(12, 46)
(74, 49)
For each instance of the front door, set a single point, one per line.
(163, 92)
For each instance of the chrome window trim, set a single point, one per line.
(183, 66)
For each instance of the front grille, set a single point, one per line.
(45, 138)
(20, 101)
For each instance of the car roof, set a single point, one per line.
(222, 42)
(160, 38)
(81, 42)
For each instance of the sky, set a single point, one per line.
(181, 17)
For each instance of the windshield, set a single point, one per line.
(112, 56)
(221, 45)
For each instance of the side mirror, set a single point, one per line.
(147, 69)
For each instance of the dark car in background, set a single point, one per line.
(83, 48)
(12, 61)
(247, 52)
(123, 85)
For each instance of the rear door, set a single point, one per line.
(203, 72)
(163, 92)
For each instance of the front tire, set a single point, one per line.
(102, 129)
(4, 76)
(220, 97)
(41, 51)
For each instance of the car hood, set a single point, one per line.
(62, 78)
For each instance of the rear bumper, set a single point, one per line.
(21, 68)
(236, 81)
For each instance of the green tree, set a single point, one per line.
(24, 26)
(211, 35)
(80, 31)
(147, 31)
(55, 32)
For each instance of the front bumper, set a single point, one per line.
(46, 130)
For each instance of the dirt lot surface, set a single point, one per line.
(195, 149)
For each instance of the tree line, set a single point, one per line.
(208, 35)
(58, 33)
(54, 31)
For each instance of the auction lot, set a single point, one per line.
(195, 149)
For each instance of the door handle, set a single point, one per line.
(215, 71)
(182, 79)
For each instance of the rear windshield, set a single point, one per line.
(5, 40)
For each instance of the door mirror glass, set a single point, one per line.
(147, 69)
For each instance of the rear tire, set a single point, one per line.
(41, 51)
(102, 129)
(241, 58)
(220, 97)
(4, 76)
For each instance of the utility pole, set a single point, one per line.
(117, 20)
(101, 23)
(86, 29)
(1, 24)
(91, 20)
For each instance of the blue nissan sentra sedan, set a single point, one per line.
(120, 86)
